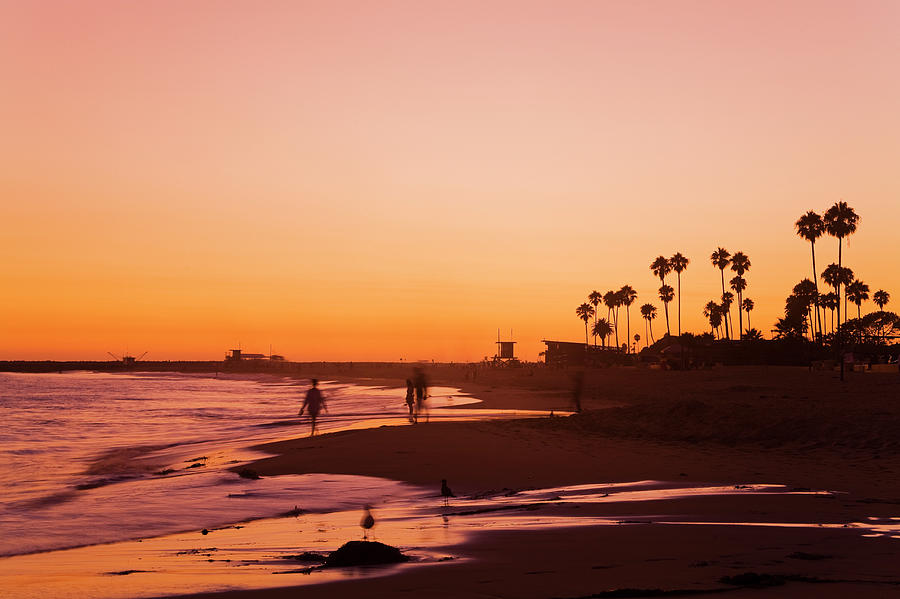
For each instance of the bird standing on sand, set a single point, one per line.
(446, 492)
(367, 522)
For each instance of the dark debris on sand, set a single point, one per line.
(364, 553)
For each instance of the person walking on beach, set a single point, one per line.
(421, 385)
(410, 397)
(315, 402)
(577, 389)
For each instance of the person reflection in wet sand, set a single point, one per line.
(314, 402)
(410, 398)
(421, 385)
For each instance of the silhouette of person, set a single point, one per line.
(410, 397)
(421, 386)
(315, 402)
(577, 390)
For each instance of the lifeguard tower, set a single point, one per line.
(506, 351)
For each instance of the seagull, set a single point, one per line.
(446, 492)
(367, 522)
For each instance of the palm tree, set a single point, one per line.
(584, 312)
(727, 300)
(594, 299)
(740, 264)
(858, 292)
(810, 227)
(829, 302)
(627, 295)
(881, 298)
(840, 221)
(713, 312)
(648, 311)
(661, 267)
(602, 329)
(753, 335)
(721, 258)
(832, 276)
(666, 294)
(804, 296)
(846, 278)
(617, 303)
(679, 263)
(748, 305)
(609, 300)
(738, 284)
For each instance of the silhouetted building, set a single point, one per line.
(237, 355)
(567, 353)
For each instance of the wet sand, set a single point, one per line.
(732, 426)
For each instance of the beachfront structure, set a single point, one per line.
(506, 352)
(237, 355)
(568, 353)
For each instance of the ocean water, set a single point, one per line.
(90, 457)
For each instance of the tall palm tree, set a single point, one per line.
(840, 221)
(747, 305)
(829, 302)
(832, 277)
(740, 264)
(627, 295)
(713, 312)
(584, 312)
(738, 284)
(609, 300)
(858, 292)
(721, 258)
(602, 329)
(810, 227)
(727, 300)
(617, 303)
(679, 263)
(648, 311)
(666, 294)
(661, 267)
(594, 299)
(881, 298)
(846, 278)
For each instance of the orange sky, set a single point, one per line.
(386, 180)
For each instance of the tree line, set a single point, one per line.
(805, 309)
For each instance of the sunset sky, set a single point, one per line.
(386, 180)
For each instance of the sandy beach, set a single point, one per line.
(836, 445)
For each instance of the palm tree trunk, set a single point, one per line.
(839, 288)
(617, 326)
(748, 320)
(816, 282)
(628, 336)
(727, 314)
(646, 338)
(679, 305)
(668, 331)
(585, 332)
(740, 318)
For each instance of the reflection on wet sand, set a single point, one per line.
(246, 555)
